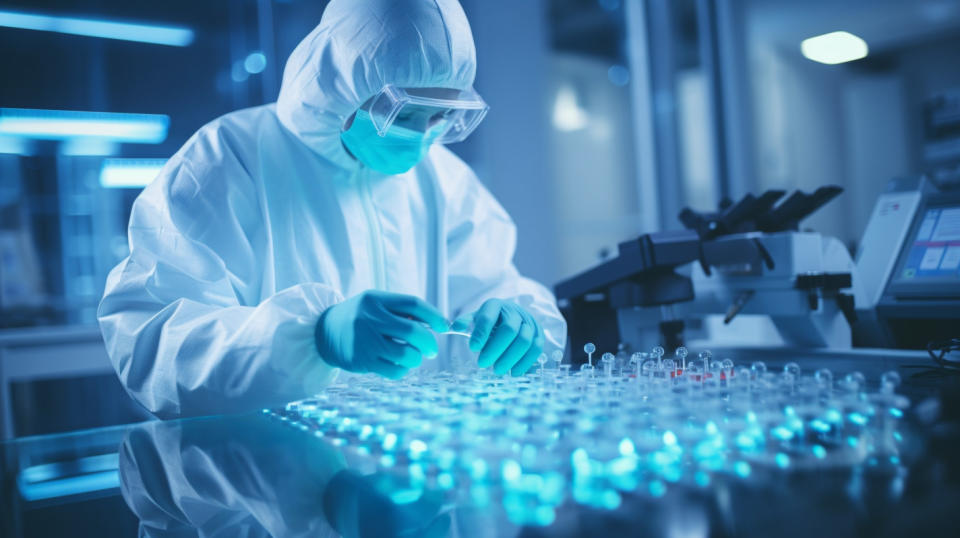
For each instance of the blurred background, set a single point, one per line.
(607, 118)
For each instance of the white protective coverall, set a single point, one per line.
(262, 220)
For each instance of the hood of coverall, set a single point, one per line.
(361, 46)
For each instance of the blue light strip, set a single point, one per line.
(68, 124)
(174, 36)
(96, 473)
(89, 464)
(74, 485)
(129, 173)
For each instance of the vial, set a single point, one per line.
(607, 360)
(681, 354)
(658, 353)
(854, 381)
(727, 366)
(758, 369)
(557, 357)
(705, 357)
(636, 359)
(589, 348)
(742, 374)
(889, 382)
(542, 359)
(824, 378)
(791, 374)
(694, 372)
(669, 367)
(622, 357)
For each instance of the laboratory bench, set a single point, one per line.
(46, 370)
(260, 474)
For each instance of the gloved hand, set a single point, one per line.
(507, 337)
(379, 332)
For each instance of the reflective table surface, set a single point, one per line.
(255, 475)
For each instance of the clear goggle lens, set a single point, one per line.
(450, 115)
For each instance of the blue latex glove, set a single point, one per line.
(507, 337)
(379, 332)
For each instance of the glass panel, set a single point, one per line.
(591, 137)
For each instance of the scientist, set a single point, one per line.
(330, 230)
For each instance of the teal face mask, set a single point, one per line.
(400, 150)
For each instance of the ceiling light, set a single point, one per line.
(834, 48)
(174, 36)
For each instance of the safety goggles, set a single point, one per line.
(454, 114)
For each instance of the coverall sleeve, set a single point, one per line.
(481, 240)
(182, 317)
(212, 477)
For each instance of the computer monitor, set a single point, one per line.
(921, 303)
(932, 254)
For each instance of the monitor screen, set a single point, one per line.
(935, 248)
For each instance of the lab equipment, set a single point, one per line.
(751, 259)
(601, 437)
(378, 332)
(909, 261)
(215, 308)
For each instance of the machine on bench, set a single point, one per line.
(747, 258)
